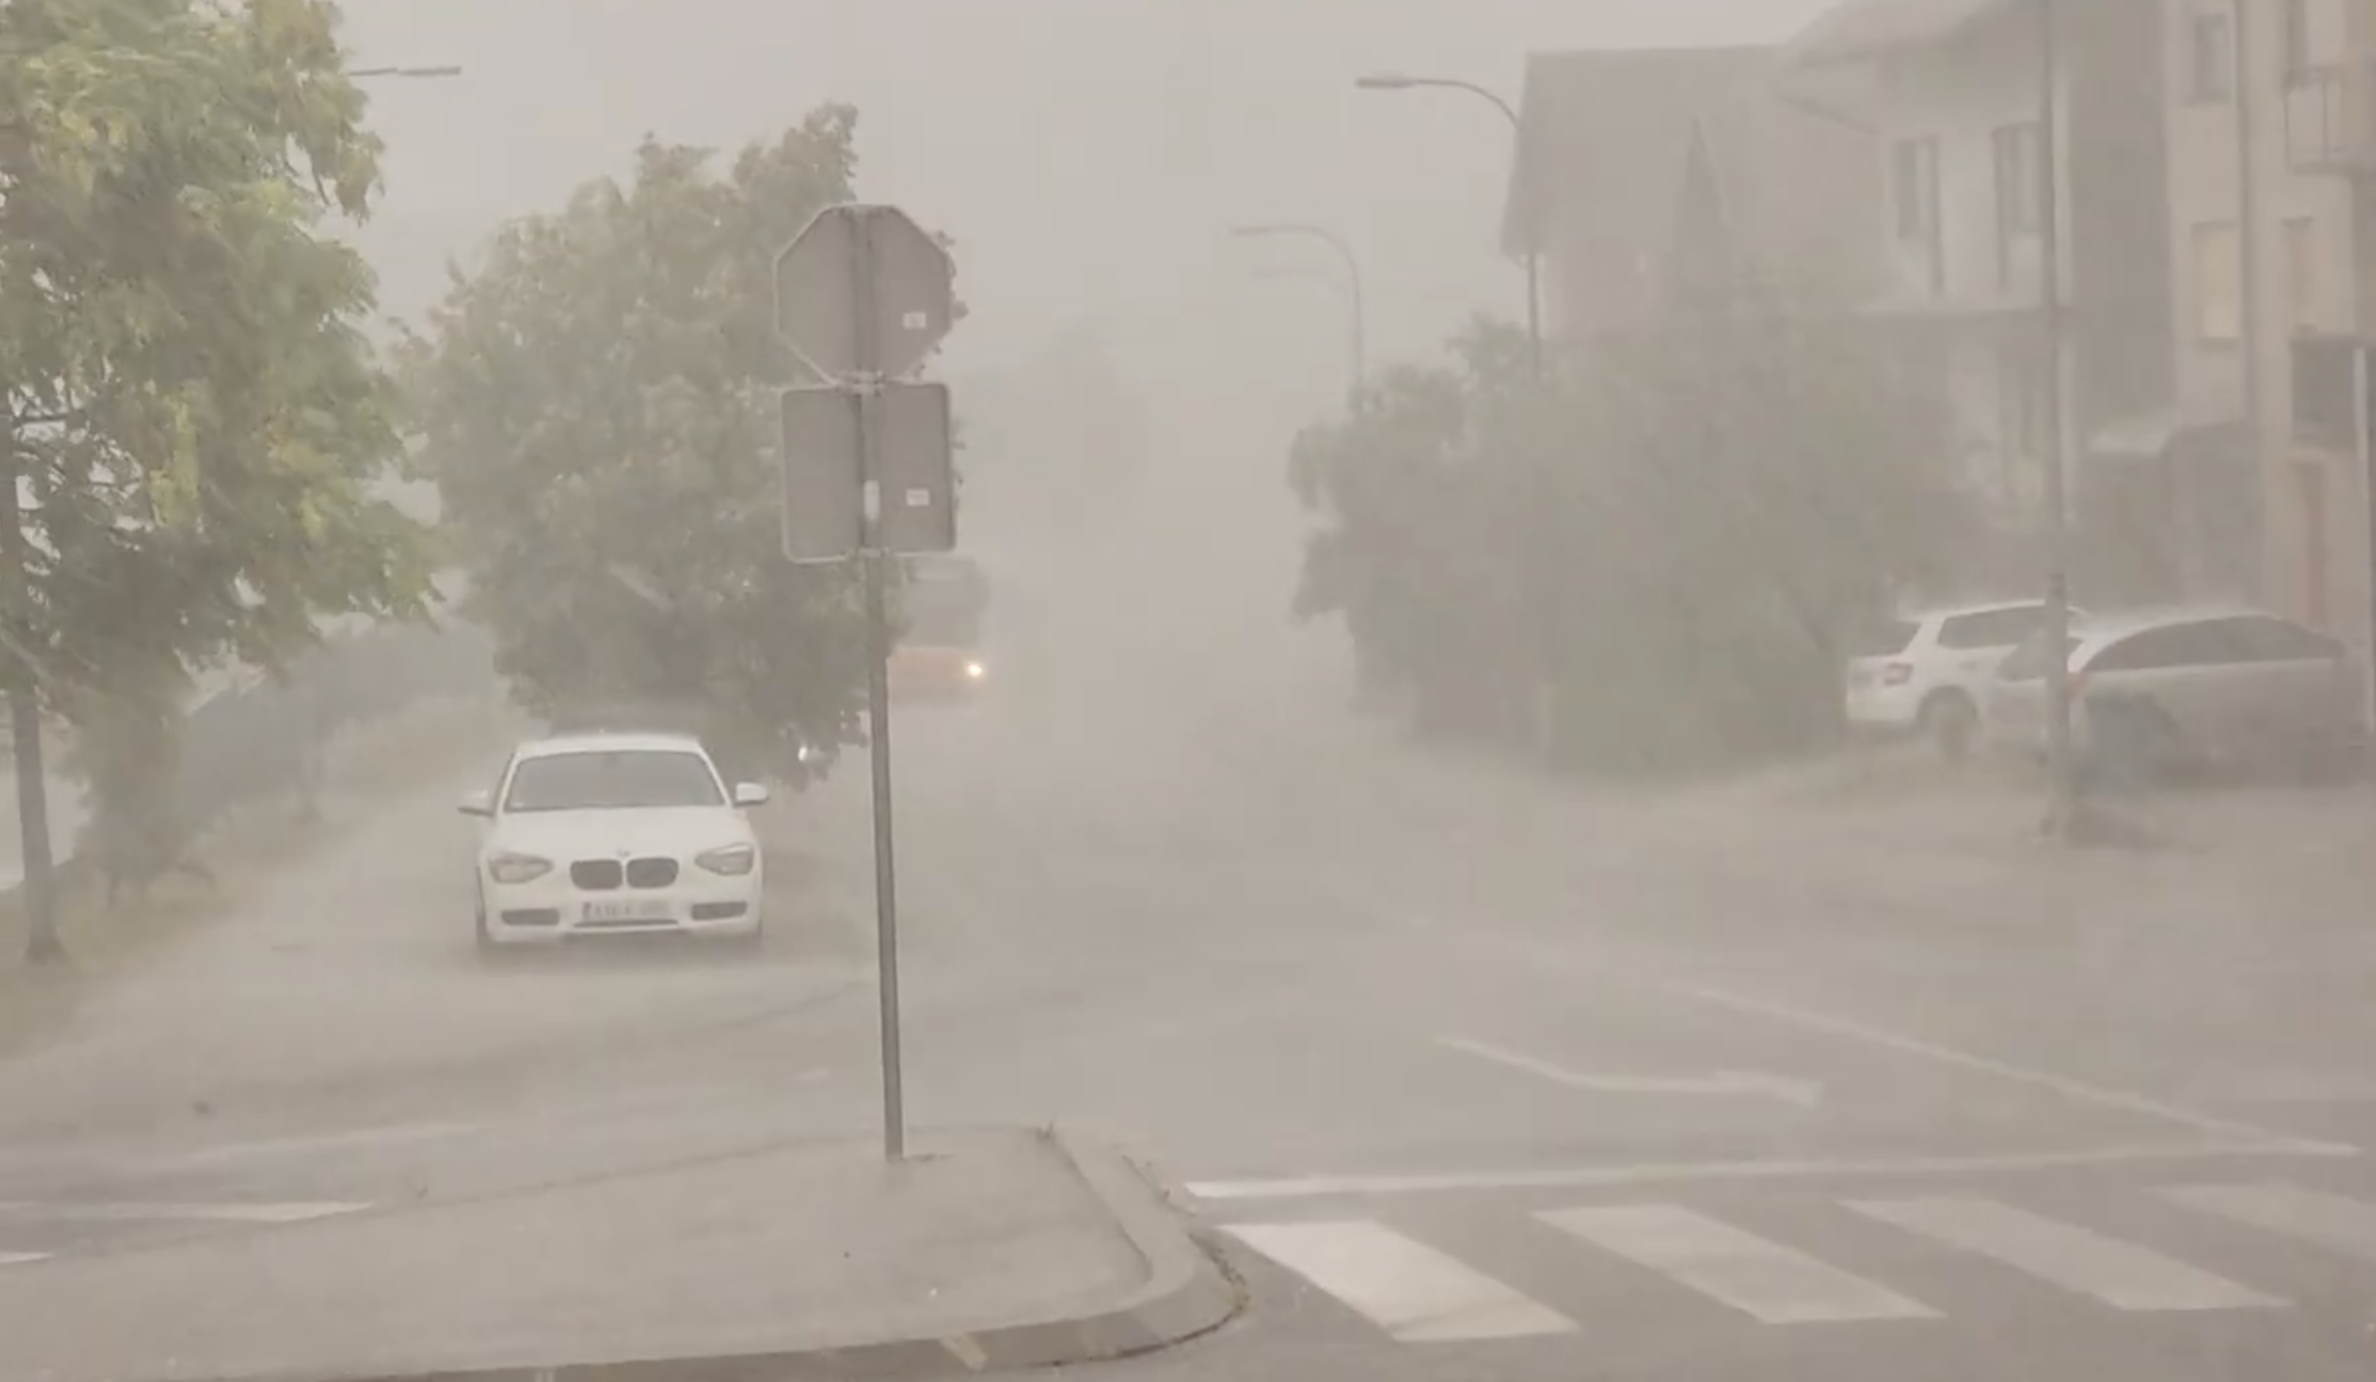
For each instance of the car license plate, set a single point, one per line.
(627, 911)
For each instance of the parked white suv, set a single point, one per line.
(1929, 673)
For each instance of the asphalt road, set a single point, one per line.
(1470, 1075)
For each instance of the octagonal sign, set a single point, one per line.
(863, 290)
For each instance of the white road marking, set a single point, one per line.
(2121, 1275)
(1591, 1177)
(287, 1212)
(313, 1145)
(1803, 1093)
(1410, 1290)
(2330, 1221)
(1766, 1281)
(2078, 1091)
(18, 1259)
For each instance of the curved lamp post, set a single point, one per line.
(1403, 81)
(1344, 252)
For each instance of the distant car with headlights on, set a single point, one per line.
(616, 834)
(943, 600)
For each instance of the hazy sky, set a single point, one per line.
(1088, 155)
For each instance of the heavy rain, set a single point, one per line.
(1187, 690)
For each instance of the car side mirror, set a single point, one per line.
(479, 804)
(750, 794)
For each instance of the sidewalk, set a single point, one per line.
(985, 1250)
(1965, 843)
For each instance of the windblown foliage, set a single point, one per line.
(192, 417)
(597, 405)
(1650, 565)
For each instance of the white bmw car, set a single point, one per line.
(616, 834)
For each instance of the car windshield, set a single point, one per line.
(612, 779)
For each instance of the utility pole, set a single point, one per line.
(2248, 315)
(1534, 286)
(2062, 790)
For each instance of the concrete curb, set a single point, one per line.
(1185, 1294)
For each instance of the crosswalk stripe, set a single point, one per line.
(2330, 1221)
(1410, 1290)
(2121, 1275)
(1766, 1281)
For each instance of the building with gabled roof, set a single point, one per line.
(1642, 174)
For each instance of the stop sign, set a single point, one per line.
(863, 290)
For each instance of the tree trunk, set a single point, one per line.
(42, 945)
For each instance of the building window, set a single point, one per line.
(2019, 172)
(2297, 39)
(2214, 56)
(2301, 272)
(2218, 279)
(1914, 187)
(2019, 176)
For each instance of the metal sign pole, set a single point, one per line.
(878, 710)
(872, 561)
(863, 295)
(2062, 803)
(2364, 448)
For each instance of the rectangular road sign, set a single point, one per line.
(820, 456)
(830, 437)
(915, 468)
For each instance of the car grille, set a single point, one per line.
(651, 873)
(595, 875)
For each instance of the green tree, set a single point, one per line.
(192, 417)
(596, 406)
(1649, 566)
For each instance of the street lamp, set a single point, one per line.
(1360, 330)
(1404, 81)
(415, 73)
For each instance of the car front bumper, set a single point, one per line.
(550, 909)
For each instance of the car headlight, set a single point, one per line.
(733, 861)
(975, 671)
(517, 868)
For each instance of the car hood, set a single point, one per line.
(680, 830)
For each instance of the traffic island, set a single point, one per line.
(983, 1251)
